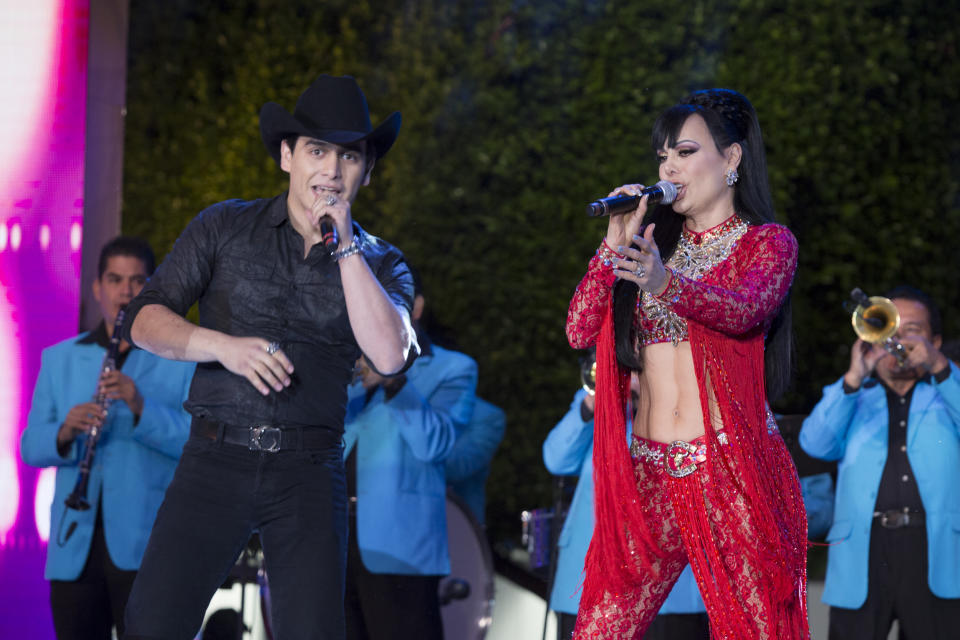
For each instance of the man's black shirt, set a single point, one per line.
(244, 262)
(898, 488)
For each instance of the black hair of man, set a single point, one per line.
(951, 349)
(132, 246)
(906, 292)
(417, 280)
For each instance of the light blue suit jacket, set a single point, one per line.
(133, 464)
(853, 428)
(401, 447)
(469, 463)
(818, 501)
(568, 450)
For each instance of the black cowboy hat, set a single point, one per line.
(333, 109)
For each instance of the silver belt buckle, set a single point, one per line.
(894, 519)
(264, 438)
(674, 458)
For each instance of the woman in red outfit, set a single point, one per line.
(693, 296)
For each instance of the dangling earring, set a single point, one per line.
(732, 177)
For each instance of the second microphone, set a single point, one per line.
(663, 192)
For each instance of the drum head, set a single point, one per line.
(466, 595)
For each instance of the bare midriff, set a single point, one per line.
(668, 407)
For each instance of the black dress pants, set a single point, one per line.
(898, 588)
(88, 608)
(389, 606)
(219, 495)
(679, 626)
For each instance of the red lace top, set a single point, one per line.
(742, 290)
(727, 310)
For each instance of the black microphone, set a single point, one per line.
(327, 236)
(663, 192)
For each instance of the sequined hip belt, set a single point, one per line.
(677, 459)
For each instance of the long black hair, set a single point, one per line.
(730, 119)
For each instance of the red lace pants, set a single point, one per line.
(684, 517)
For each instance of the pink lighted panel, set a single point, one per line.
(43, 75)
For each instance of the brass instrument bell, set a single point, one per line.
(588, 374)
(876, 320)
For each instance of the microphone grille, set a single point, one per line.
(669, 191)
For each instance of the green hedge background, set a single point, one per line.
(517, 113)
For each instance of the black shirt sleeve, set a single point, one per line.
(942, 375)
(184, 274)
(396, 279)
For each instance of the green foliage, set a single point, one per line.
(518, 113)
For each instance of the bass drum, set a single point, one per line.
(466, 595)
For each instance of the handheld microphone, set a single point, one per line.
(327, 236)
(663, 192)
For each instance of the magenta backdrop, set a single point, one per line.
(43, 79)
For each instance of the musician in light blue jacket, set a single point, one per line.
(895, 430)
(568, 450)
(469, 463)
(399, 431)
(93, 554)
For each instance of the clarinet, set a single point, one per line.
(78, 498)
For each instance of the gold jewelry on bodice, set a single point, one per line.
(695, 255)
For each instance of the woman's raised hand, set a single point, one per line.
(642, 264)
(621, 227)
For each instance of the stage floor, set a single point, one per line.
(517, 614)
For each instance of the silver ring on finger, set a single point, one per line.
(272, 348)
(640, 271)
(331, 200)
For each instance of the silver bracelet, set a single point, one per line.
(608, 255)
(340, 254)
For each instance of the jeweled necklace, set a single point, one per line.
(695, 254)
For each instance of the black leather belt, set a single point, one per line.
(899, 518)
(270, 438)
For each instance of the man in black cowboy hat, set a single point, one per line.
(283, 318)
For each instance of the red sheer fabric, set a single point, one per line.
(589, 304)
(741, 293)
(627, 614)
(743, 527)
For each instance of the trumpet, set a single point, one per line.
(78, 497)
(876, 320)
(588, 374)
